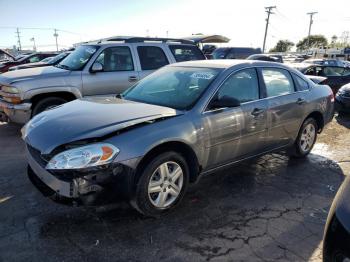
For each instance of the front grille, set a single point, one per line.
(36, 154)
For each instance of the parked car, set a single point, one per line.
(48, 61)
(342, 99)
(336, 243)
(336, 76)
(266, 57)
(234, 52)
(104, 67)
(208, 49)
(325, 62)
(32, 58)
(183, 121)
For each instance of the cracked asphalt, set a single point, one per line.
(268, 209)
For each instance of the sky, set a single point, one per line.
(242, 21)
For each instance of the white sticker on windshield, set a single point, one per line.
(202, 75)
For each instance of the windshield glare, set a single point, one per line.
(175, 87)
(78, 58)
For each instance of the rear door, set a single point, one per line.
(119, 72)
(286, 106)
(151, 57)
(235, 133)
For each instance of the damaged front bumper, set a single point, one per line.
(95, 187)
(17, 113)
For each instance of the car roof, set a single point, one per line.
(227, 63)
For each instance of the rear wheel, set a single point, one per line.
(162, 184)
(306, 138)
(47, 103)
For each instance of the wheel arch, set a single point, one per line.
(69, 96)
(318, 116)
(177, 146)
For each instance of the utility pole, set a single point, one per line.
(311, 14)
(56, 35)
(19, 39)
(268, 10)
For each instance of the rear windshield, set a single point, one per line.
(186, 53)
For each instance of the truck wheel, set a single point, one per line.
(162, 184)
(46, 104)
(306, 138)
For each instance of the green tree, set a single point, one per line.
(282, 46)
(315, 41)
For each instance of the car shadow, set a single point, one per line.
(269, 208)
(343, 119)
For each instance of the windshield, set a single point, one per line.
(78, 58)
(53, 60)
(175, 87)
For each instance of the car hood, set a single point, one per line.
(30, 65)
(31, 73)
(89, 118)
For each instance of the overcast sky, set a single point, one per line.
(242, 21)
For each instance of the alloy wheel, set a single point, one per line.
(165, 184)
(307, 138)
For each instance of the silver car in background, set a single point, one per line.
(179, 123)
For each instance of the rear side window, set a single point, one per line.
(242, 86)
(277, 81)
(186, 53)
(301, 84)
(151, 57)
(116, 59)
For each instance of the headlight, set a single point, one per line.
(83, 157)
(10, 89)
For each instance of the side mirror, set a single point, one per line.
(96, 67)
(223, 102)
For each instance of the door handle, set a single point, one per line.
(257, 111)
(301, 101)
(133, 78)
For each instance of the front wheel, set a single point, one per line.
(162, 184)
(306, 138)
(47, 103)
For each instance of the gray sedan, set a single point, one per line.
(179, 123)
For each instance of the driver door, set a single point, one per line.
(236, 133)
(118, 74)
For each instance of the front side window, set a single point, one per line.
(277, 81)
(151, 57)
(242, 86)
(174, 87)
(186, 53)
(116, 59)
(78, 58)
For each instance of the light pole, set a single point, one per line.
(56, 35)
(34, 46)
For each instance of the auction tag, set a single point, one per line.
(202, 75)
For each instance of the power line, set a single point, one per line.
(268, 10)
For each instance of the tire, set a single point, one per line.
(305, 140)
(47, 103)
(163, 198)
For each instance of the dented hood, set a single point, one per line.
(88, 118)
